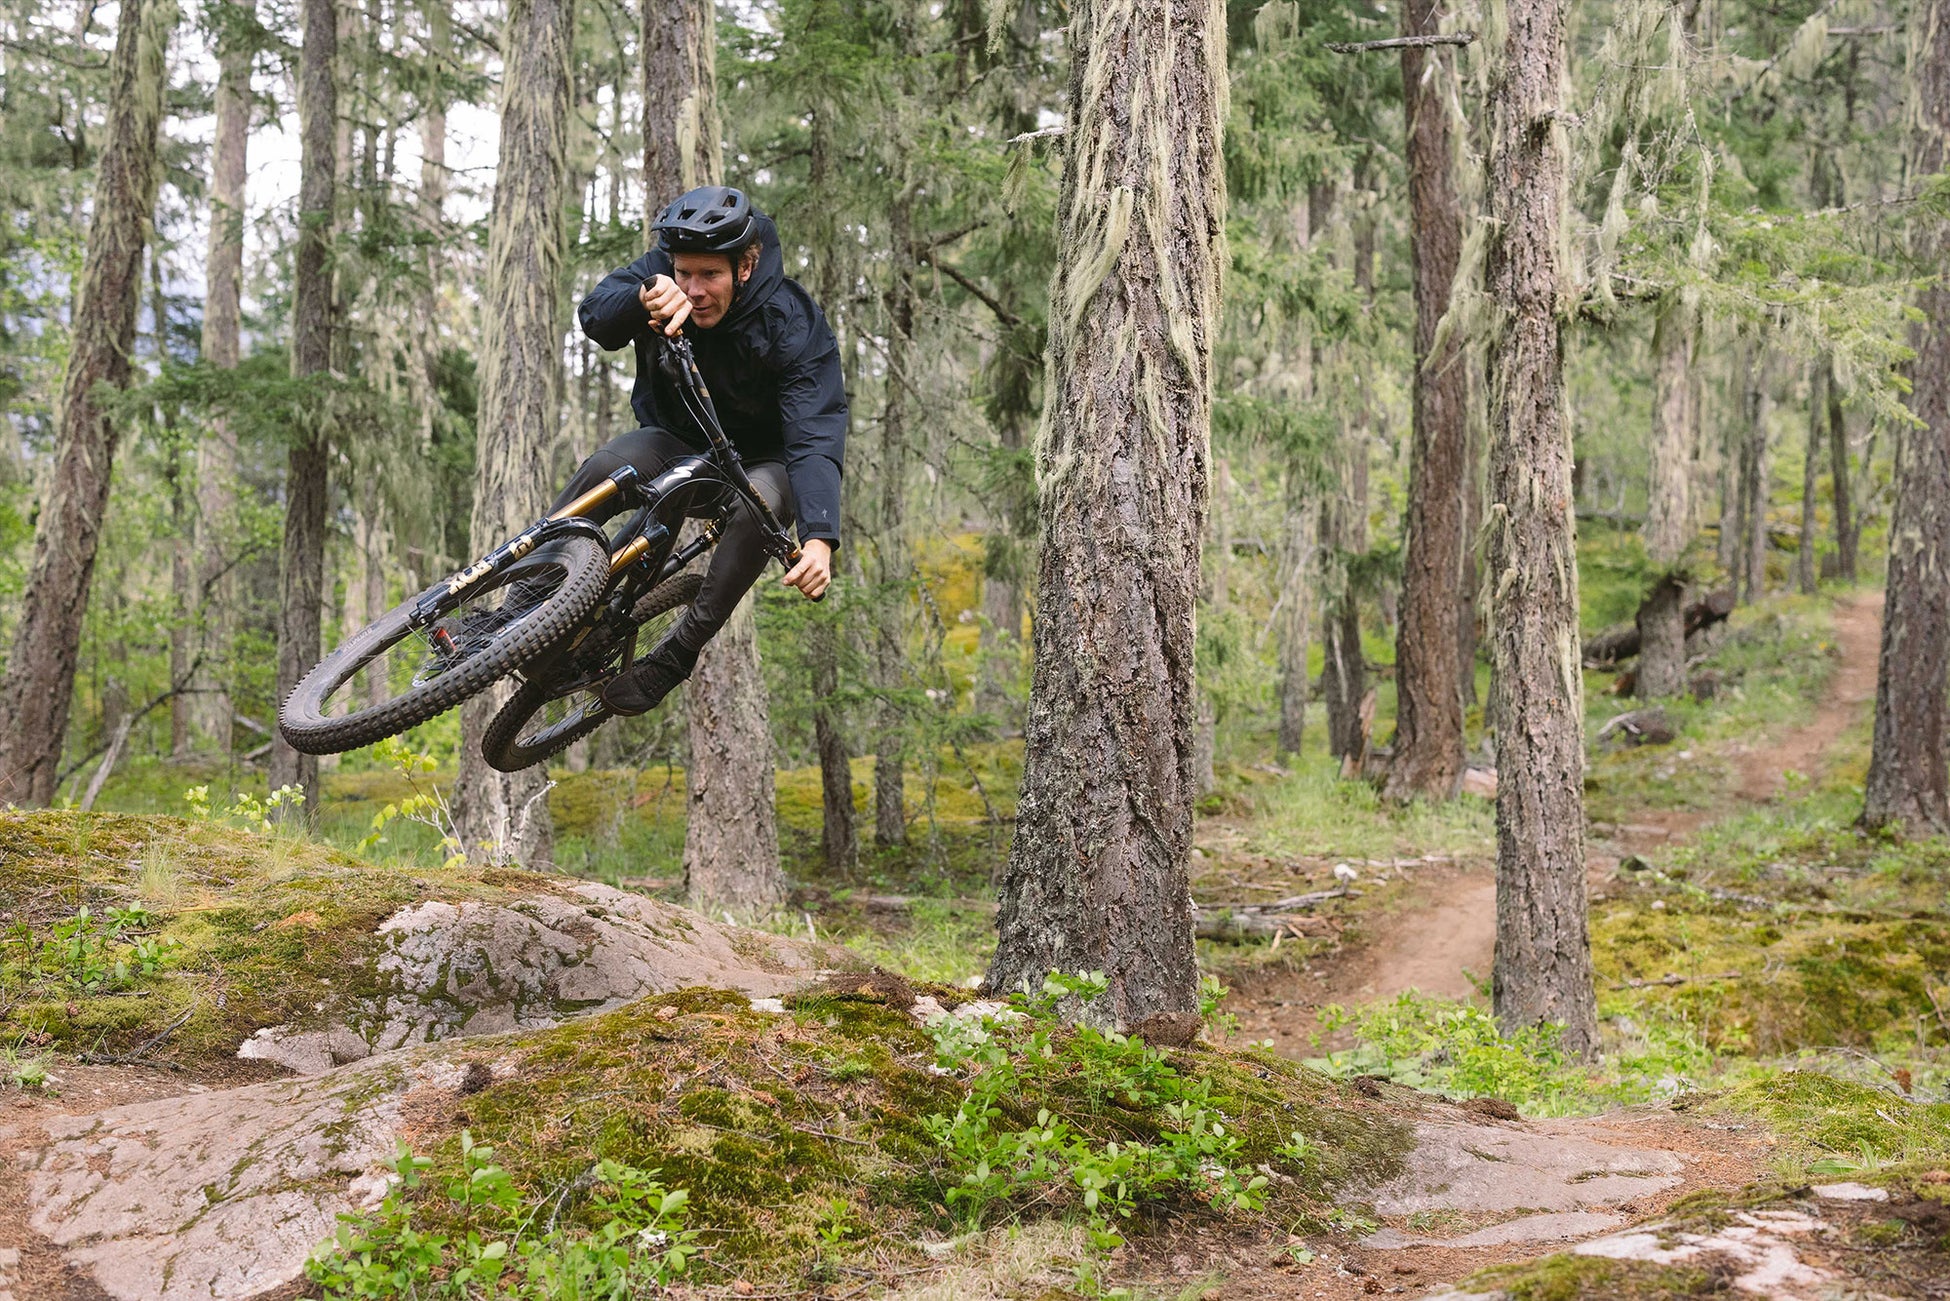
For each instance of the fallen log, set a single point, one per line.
(1244, 921)
(1621, 641)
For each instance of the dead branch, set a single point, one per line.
(176, 688)
(1402, 43)
(988, 300)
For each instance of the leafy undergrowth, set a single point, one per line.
(839, 1132)
(115, 929)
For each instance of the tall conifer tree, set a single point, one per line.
(1098, 876)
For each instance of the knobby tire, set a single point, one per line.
(310, 730)
(502, 746)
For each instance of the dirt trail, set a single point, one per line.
(1441, 931)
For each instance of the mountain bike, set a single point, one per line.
(563, 604)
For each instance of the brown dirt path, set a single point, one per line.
(1441, 930)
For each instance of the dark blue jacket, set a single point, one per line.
(771, 364)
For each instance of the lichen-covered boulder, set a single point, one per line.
(442, 969)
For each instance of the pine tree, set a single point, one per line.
(1542, 971)
(1908, 787)
(37, 691)
(731, 839)
(521, 382)
(1428, 759)
(301, 562)
(1669, 518)
(1098, 877)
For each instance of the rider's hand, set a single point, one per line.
(665, 302)
(814, 572)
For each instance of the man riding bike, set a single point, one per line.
(773, 369)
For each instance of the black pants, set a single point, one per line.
(740, 556)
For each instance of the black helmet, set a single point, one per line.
(709, 219)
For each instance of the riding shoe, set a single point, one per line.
(643, 686)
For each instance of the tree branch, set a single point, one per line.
(1002, 314)
(176, 689)
(1402, 43)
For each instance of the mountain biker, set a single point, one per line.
(773, 369)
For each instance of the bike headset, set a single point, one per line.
(710, 219)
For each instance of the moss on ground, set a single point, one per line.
(1819, 1116)
(781, 1125)
(252, 929)
(1565, 1277)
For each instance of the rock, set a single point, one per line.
(444, 970)
(1756, 1244)
(222, 1194)
(1480, 782)
(1485, 1168)
(1553, 1226)
(1639, 727)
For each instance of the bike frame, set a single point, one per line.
(645, 556)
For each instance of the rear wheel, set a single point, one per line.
(547, 716)
(391, 675)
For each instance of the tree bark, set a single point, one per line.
(1750, 541)
(890, 750)
(1098, 876)
(1296, 619)
(1428, 751)
(1542, 970)
(839, 827)
(1807, 573)
(216, 473)
(38, 689)
(1908, 788)
(1841, 484)
(681, 150)
(1469, 620)
(301, 561)
(506, 814)
(1669, 514)
(838, 839)
(731, 843)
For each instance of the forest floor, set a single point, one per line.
(1767, 980)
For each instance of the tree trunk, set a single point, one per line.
(1542, 970)
(839, 828)
(216, 474)
(1098, 876)
(1469, 620)
(1750, 541)
(1428, 752)
(1296, 620)
(1807, 573)
(1908, 788)
(890, 750)
(301, 561)
(838, 839)
(1841, 484)
(1669, 513)
(432, 205)
(521, 385)
(731, 843)
(681, 150)
(39, 685)
(1344, 674)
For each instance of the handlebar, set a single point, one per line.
(680, 365)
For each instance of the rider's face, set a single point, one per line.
(706, 279)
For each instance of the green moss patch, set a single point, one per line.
(1854, 1125)
(1566, 1277)
(248, 930)
(804, 1139)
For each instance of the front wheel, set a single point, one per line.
(390, 675)
(544, 717)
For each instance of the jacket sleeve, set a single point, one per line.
(612, 315)
(812, 408)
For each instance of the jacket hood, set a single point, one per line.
(765, 281)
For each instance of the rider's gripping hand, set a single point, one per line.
(666, 303)
(814, 572)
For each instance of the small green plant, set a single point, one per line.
(84, 952)
(23, 1072)
(246, 810)
(1194, 1152)
(498, 1249)
(425, 806)
(835, 1223)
